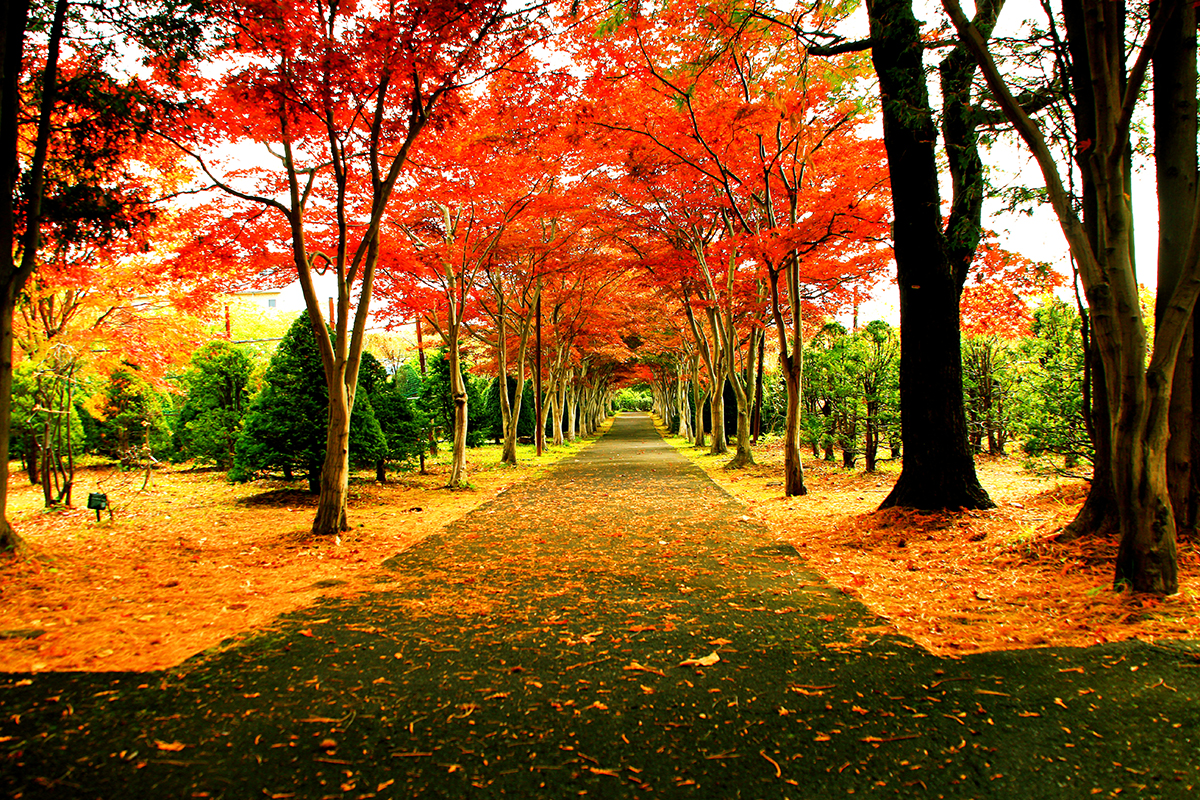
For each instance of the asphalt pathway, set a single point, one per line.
(616, 628)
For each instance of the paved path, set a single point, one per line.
(534, 649)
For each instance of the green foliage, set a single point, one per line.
(404, 426)
(130, 417)
(989, 381)
(218, 397)
(851, 390)
(29, 415)
(527, 423)
(438, 402)
(633, 398)
(1051, 418)
(288, 421)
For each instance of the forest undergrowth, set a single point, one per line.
(967, 581)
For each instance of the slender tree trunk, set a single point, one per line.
(458, 390)
(681, 396)
(871, 448)
(793, 469)
(697, 402)
(716, 407)
(32, 457)
(743, 391)
(572, 406)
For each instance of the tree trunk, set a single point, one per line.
(1175, 157)
(572, 406)
(716, 407)
(938, 471)
(1098, 514)
(697, 402)
(682, 410)
(335, 472)
(871, 445)
(32, 458)
(793, 469)
(458, 390)
(743, 391)
(508, 452)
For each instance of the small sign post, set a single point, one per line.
(99, 502)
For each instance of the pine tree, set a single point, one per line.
(285, 428)
(218, 398)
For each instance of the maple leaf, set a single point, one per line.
(170, 747)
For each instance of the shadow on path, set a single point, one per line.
(534, 649)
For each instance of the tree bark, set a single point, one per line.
(697, 402)
(458, 390)
(938, 471)
(1139, 393)
(793, 469)
(743, 391)
(1175, 163)
(335, 471)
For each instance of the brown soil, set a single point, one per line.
(962, 582)
(192, 560)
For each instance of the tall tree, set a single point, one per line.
(339, 95)
(932, 256)
(33, 106)
(1175, 164)
(1138, 390)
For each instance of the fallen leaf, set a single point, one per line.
(636, 667)
(705, 661)
(170, 747)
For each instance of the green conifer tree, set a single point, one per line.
(286, 426)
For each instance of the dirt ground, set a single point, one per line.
(192, 560)
(961, 582)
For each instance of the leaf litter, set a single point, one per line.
(961, 582)
(195, 561)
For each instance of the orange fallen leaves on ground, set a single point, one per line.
(961, 582)
(194, 561)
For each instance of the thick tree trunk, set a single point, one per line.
(697, 403)
(1175, 160)
(1098, 514)
(938, 471)
(9, 540)
(1146, 558)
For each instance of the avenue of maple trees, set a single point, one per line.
(585, 196)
